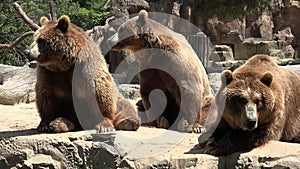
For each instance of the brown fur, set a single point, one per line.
(72, 69)
(173, 53)
(272, 92)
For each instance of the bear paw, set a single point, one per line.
(61, 124)
(196, 128)
(44, 127)
(210, 147)
(130, 124)
(184, 126)
(162, 122)
(105, 126)
(212, 150)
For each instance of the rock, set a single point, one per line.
(289, 51)
(222, 53)
(215, 81)
(231, 31)
(41, 161)
(276, 53)
(284, 17)
(145, 148)
(130, 91)
(252, 46)
(266, 26)
(262, 27)
(285, 35)
(17, 84)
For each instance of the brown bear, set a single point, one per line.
(261, 104)
(74, 88)
(168, 63)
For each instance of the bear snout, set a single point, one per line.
(250, 118)
(33, 52)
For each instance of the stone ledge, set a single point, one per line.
(22, 147)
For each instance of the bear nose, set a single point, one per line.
(251, 124)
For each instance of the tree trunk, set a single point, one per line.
(17, 84)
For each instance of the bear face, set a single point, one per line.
(56, 44)
(261, 104)
(249, 99)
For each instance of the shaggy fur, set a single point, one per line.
(177, 72)
(72, 75)
(262, 104)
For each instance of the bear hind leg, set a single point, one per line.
(126, 117)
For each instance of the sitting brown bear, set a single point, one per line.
(261, 104)
(168, 63)
(72, 75)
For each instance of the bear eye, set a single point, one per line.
(41, 41)
(257, 101)
(242, 100)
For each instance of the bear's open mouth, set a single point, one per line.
(249, 126)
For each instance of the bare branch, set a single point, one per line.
(17, 41)
(53, 10)
(24, 17)
(106, 6)
(109, 19)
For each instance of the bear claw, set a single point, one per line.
(104, 126)
(162, 122)
(44, 127)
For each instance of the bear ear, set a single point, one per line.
(63, 23)
(227, 76)
(143, 15)
(44, 20)
(267, 78)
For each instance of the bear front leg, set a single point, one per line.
(46, 108)
(190, 105)
(238, 140)
(152, 110)
(106, 99)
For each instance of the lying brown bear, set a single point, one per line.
(262, 104)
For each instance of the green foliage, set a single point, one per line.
(84, 13)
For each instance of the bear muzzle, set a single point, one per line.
(33, 52)
(250, 119)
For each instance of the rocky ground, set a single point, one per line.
(22, 147)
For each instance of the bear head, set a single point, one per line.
(141, 32)
(250, 99)
(57, 43)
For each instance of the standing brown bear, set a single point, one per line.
(74, 89)
(168, 63)
(262, 104)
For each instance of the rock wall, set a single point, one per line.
(235, 31)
